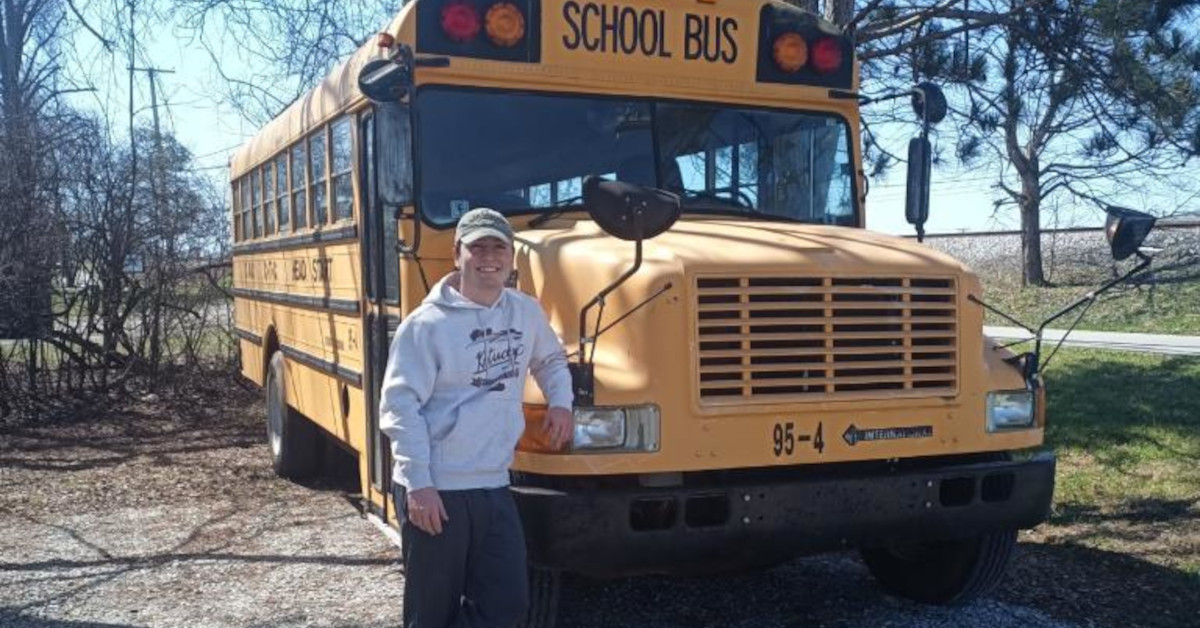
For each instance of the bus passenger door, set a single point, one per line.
(381, 281)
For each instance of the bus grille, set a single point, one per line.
(781, 339)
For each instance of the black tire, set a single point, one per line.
(545, 588)
(943, 572)
(294, 440)
(545, 585)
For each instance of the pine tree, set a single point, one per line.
(1081, 100)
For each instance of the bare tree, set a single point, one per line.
(111, 234)
(28, 87)
(290, 44)
(840, 12)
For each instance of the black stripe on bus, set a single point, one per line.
(324, 236)
(248, 335)
(342, 306)
(350, 376)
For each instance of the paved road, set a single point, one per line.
(1141, 343)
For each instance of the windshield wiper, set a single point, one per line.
(711, 199)
(570, 204)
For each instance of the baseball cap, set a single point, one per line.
(483, 222)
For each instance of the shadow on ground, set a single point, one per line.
(22, 621)
(1102, 588)
(1099, 406)
(1048, 585)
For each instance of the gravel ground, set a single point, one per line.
(167, 514)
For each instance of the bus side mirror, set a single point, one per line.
(628, 211)
(916, 203)
(393, 154)
(384, 80)
(1126, 229)
(929, 103)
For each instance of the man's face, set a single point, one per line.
(485, 263)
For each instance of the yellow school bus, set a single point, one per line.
(763, 378)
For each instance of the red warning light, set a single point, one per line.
(827, 55)
(460, 21)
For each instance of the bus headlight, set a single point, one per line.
(1010, 409)
(630, 428)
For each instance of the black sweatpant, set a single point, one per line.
(473, 574)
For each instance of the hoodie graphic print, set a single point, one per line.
(453, 389)
(497, 356)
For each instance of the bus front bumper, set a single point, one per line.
(746, 524)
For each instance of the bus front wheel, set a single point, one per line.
(942, 572)
(294, 440)
(545, 588)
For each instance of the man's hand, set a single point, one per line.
(426, 511)
(558, 426)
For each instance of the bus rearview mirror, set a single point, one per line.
(916, 205)
(393, 154)
(1126, 229)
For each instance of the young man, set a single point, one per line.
(451, 405)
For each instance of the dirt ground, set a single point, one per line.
(166, 513)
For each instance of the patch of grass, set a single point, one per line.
(1161, 309)
(1127, 431)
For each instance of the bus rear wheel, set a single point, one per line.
(294, 440)
(943, 572)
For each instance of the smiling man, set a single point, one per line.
(451, 405)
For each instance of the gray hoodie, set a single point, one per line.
(453, 389)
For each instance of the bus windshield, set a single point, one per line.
(528, 154)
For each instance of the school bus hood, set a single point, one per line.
(567, 266)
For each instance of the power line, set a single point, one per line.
(219, 151)
(881, 186)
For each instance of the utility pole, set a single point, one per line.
(154, 99)
(164, 243)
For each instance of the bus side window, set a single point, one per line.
(256, 202)
(341, 168)
(235, 205)
(316, 152)
(300, 183)
(244, 187)
(281, 192)
(268, 199)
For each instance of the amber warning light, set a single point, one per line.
(505, 25)
(791, 52)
